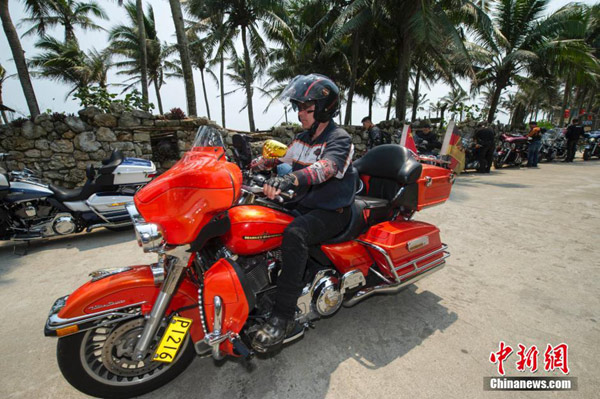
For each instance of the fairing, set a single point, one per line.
(183, 199)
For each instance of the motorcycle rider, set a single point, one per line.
(535, 135)
(573, 133)
(376, 135)
(321, 159)
(428, 140)
(484, 145)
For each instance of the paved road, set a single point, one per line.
(524, 269)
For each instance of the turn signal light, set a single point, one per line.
(61, 332)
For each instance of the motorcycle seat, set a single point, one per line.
(365, 212)
(109, 165)
(67, 194)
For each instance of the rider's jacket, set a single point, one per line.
(323, 167)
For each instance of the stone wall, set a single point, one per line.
(58, 147)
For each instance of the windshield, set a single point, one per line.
(208, 136)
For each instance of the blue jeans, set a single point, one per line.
(532, 154)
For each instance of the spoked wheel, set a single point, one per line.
(99, 362)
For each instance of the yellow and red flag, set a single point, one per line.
(407, 140)
(452, 147)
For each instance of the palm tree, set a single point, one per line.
(455, 98)
(19, 58)
(184, 53)
(520, 39)
(243, 17)
(67, 63)
(239, 77)
(124, 42)
(3, 78)
(69, 14)
(200, 52)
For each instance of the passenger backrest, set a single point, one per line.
(388, 168)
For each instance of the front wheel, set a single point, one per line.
(99, 362)
(497, 164)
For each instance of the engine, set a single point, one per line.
(33, 212)
(320, 297)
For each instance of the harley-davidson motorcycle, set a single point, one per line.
(591, 149)
(30, 209)
(217, 238)
(511, 150)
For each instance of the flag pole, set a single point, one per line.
(447, 136)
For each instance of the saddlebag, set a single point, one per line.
(412, 247)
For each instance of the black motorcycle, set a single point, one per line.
(31, 209)
(592, 147)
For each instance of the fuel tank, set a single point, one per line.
(255, 229)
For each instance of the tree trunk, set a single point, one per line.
(248, 80)
(69, 33)
(222, 73)
(371, 104)
(143, 54)
(158, 99)
(415, 103)
(389, 107)
(500, 84)
(353, 71)
(19, 57)
(184, 54)
(205, 96)
(565, 101)
(402, 76)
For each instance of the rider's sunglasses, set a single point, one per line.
(303, 107)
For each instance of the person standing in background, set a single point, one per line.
(573, 133)
(484, 145)
(535, 135)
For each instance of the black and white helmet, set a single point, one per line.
(313, 88)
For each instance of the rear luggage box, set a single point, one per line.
(134, 171)
(435, 185)
(413, 247)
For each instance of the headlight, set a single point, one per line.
(148, 235)
(592, 140)
(513, 146)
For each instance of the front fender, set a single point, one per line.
(120, 296)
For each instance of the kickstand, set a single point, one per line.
(24, 247)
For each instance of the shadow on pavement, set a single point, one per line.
(13, 253)
(373, 334)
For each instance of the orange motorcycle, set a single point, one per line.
(131, 330)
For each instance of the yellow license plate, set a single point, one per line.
(172, 340)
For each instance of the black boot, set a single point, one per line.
(271, 335)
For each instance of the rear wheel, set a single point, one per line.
(99, 362)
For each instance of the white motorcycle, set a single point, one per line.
(30, 209)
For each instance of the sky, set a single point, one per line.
(51, 95)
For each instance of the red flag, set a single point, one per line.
(407, 139)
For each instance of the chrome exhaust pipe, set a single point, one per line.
(97, 226)
(389, 288)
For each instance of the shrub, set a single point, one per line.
(58, 117)
(176, 113)
(101, 98)
(19, 122)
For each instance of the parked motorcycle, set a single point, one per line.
(471, 161)
(548, 149)
(511, 150)
(30, 209)
(591, 149)
(133, 329)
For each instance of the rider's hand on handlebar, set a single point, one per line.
(275, 185)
